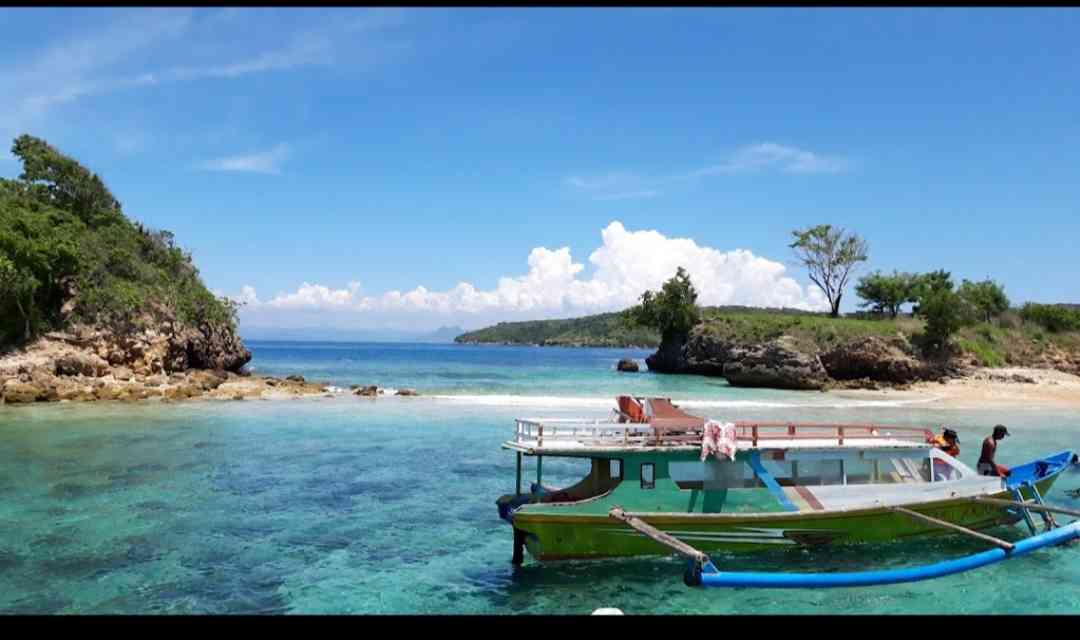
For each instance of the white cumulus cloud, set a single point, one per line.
(626, 264)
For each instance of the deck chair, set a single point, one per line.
(630, 410)
(667, 419)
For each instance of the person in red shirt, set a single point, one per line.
(987, 466)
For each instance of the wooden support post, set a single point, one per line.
(1029, 505)
(659, 536)
(518, 474)
(539, 470)
(519, 547)
(1007, 546)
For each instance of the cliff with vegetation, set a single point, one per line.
(950, 330)
(815, 351)
(92, 302)
(801, 350)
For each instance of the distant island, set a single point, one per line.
(332, 334)
(601, 330)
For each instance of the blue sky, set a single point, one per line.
(420, 167)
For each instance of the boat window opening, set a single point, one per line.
(690, 476)
(818, 473)
(904, 471)
(783, 471)
(615, 469)
(559, 472)
(648, 476)
(860, 471)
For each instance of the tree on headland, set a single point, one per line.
(68, 185)
(673, 311)
(929, 283)
(987, 296)
(886, 293)
(830, 255)
(944, 310)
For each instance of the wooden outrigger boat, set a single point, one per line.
(651, 491)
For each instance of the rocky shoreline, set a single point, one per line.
(871, 362)
(88, 365)
(97, 366)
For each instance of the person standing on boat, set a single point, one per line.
(987, 466)
(948, 442)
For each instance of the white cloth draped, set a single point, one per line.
(720, 440)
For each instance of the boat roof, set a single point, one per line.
(552, 436)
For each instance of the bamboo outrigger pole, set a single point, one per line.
(1007, 546)
(659, 536)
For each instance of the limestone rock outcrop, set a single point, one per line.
(873, 358)
(776, 364)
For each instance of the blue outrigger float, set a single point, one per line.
(702, 571)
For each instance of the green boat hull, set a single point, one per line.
(551, 535)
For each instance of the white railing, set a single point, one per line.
(561, 430)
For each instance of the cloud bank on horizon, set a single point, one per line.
(625, 265)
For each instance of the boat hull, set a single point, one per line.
(561, 537)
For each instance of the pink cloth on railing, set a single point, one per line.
(719, 440)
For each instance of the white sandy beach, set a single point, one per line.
(989, 388)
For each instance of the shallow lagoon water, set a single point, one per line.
(351, 505)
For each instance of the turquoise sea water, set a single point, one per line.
(351, 505)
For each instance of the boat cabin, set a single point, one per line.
(777, 466)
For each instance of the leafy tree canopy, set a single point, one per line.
(945, 311)
(886, 293)
(987, 296)
(64, 182)
(64, 238)
(673, 310)
(830, 255)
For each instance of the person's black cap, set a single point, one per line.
(1000, 431)
(950, 434)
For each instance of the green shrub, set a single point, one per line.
(945, 312)
(1054, 318)
(987, 297)
(987, 355)
(1010, 320)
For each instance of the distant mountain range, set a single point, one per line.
(330, 334)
